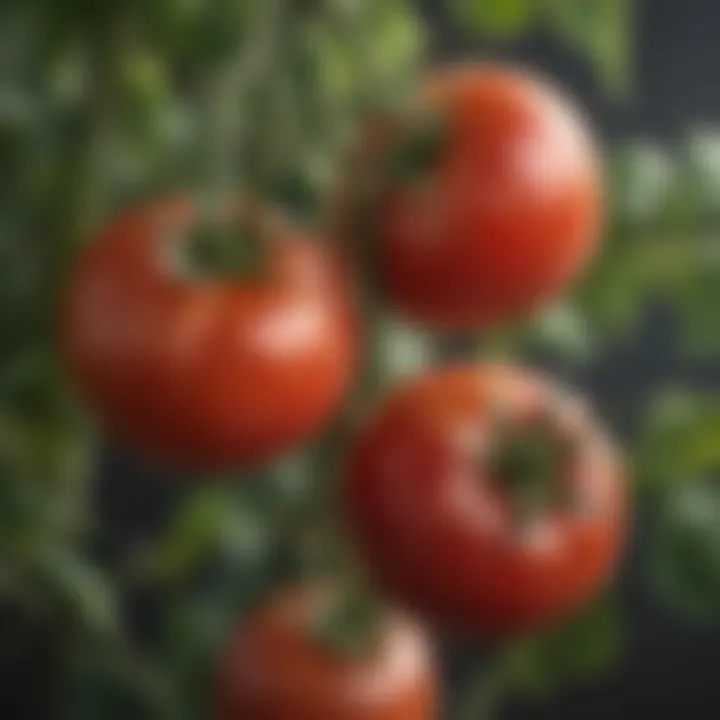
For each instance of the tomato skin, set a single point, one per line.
(206, 373)
(437, 534)
(506, 217)
(274, 670)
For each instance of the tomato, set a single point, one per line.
(441, 518)
(276, 669)
(505, 210)
(204, 372)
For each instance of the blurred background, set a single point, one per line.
(119, 581)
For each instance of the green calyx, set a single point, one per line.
(416, 141)
(421, 140)
(349, 623)
(222, 245)
(530, 463)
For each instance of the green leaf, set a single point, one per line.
(402, 350)
(80, 589)
(332, 66)
(642, 178)
(564, 330)
(391, 49)
(696, 298)
(145, 85)
(702, 169)
(22, 512)
(660, 243)
(43, 474)
(585, 646)
(603, 30)
(197, 530)
(685, 553)
(632, 268)
(497, 17)
(199, 624)
(680, 440)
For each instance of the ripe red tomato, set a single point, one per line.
(436, 506)
(275, 669)
(507, 212)
(206, 372)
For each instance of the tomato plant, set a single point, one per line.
(484, 512)
(487, 499)
(276, 668)
(501, 211)
(200, 371)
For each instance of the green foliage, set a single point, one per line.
(642, 179)
(193, 531)
(561, 331)
(679, 441)
(677, 462)
(102, 104)
(601, 30)
(84, 593)
(658, 245)
(539, 666)
(578, 650)
(495, 17)
(702, 162)
(685, 553)
(402, 350)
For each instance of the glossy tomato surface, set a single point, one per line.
(275, 669)
(206, 372)
(506, 214)
(440, 532)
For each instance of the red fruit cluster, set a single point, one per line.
(484, 499)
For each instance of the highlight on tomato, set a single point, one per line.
(488, 499)
(278, 666)
(206, 370)
(486, 200)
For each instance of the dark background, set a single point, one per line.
(671, 668)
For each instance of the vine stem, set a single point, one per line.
(359, 609)
(315, 519)
(77, 203)
(222, 132)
